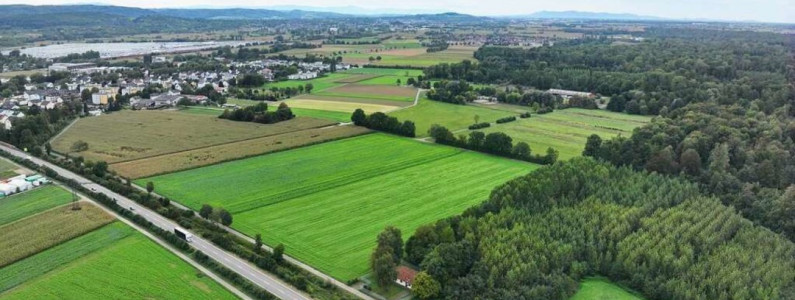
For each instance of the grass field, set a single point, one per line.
(113, 262)
(32, 235)
(18, 206)
(319, 84)
(327, 202)
(598, 288)
(129, 135)
(7, 169)
(567, 130)
(210, 155)
(454, 117)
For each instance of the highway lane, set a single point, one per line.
(252, 273)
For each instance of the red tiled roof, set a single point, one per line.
(406, 274)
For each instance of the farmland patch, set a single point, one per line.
(338, 195)
(211, 155)
(567, 130)
(31, 202)
(32, 235)
(129, 135)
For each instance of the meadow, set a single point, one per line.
(113, 262)
(32, 235)
(453, 116)
(567, 130)
(327, 202)
(28, 203)
(596, 288)
(130, 135)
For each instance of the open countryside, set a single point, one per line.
(50, 250)
(432, 151)
(567, 130)
(325, 206)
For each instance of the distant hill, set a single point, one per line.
(245, 14)
(588, 16)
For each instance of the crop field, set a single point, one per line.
(567, 130)
(326, 205)
(320, 103)
(130, 135)
(211, 155)
(375, 92)
(454, 117)
(32, 235)
(601, 288)
(21, 205)
(112, 262)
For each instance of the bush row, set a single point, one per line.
(479, 125)
(506, 120)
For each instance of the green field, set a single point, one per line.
(111, 263)
(319, 84)
(567, 130)
(453, 116)
(384, 72)
(327, 202)
(18, 206)
(598, 288)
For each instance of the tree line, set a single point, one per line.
(380, 121)
(496, 143)
(259, 113)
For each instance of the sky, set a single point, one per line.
(731, 10)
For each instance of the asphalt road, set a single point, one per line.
(252, 273)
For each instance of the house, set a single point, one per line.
(568, 94)
(99, 98)
(303, 76)
(405, 276)
(5, 121)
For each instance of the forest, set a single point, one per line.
(538, 235)
(668, 70)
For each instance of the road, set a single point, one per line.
(300, 264)
(266, 281)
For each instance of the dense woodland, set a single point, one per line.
(669, 70)
(538, 235)
(698, 204)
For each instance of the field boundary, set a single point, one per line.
(215, 145)
(246, 156)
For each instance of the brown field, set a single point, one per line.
(357, 78)
(364, 101)
(386, 90)
(130, 135)
(211, 155)
(39, 232)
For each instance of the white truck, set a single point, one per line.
(183, 234)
